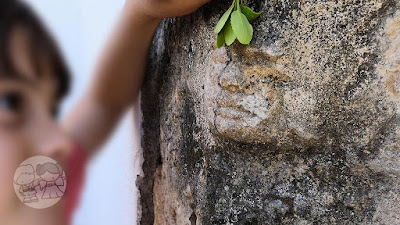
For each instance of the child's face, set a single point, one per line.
(27, 126)
(25, 175)
(49, 176)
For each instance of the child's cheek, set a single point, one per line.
(12, 153)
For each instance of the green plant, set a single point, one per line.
(234, 24)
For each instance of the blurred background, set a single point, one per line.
(81, 28)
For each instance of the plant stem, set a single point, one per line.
(238, 6)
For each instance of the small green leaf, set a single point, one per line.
(230, 36)
(250, 14)
(241, 27)
(224, 18)
(220, 39)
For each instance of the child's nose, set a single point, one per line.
(56, 144)
(52, 141)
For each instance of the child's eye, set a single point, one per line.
(11, 102)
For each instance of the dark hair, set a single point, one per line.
(49, 167)
(16, 13)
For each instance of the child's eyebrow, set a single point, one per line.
(24, 80)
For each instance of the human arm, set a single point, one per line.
(120, 71)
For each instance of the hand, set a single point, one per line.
(36, 182)
(166, 8)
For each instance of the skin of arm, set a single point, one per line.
(120, 70)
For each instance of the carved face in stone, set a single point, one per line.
(251, 97)
(246, 92)
(297, 83)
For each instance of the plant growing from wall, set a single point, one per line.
(235, 24)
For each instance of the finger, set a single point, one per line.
(202, 2)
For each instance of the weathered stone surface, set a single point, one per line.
(300, 127)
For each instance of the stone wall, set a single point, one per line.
(300, 127)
